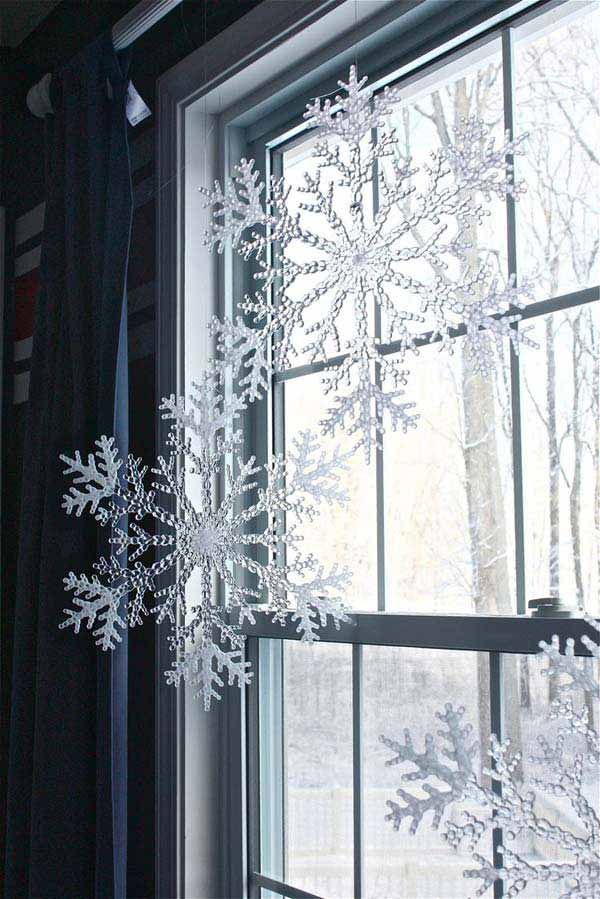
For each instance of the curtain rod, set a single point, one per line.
(136, 22)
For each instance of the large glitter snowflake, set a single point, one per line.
(332, 260)
(244, 537)
(518, 809)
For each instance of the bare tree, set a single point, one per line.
(489, 564)
(561, 105)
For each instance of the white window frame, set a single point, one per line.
(250, 81)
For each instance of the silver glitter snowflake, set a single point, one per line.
(333, 260)
(514, 806)
(244, 538)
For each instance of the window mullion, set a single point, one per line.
(379, 460)
(496, 728)
(357, 791)
(515, 384)
(253, 794)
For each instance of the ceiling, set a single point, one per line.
(18, 18)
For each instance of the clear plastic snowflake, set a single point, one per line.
(515, 807)
(333, 259)
(246, 539)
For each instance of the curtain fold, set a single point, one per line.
(67, 771)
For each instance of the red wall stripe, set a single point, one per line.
(141, 252)
(26, 292)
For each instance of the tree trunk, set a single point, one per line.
(524, 682)
(579, 375)
(553, 464)
(575, 492)
(595, 345)
(485, 500)
(553, 478)
(485, 505)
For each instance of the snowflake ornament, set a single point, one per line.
(246, 539)
(515, 808)
(334, 260)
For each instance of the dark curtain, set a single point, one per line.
(67, 781)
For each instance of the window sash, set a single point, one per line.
(273, 148)
(497, 636)
(474, 633)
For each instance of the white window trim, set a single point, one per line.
(205, 104)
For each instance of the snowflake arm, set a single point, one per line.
(314, 474)
(478, 164)
(353, 116)
(202, 667)
(243, 352)
(236, 207)
(318, 599)
(566, 663)
(486, 872)
(489, 322)
(95, 603)
(461, 750)
(209, 414)
(362, 411)
(100, 475)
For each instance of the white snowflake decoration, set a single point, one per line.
(238, 539)
(514, 807)
(334, 256)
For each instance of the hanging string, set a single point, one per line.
(206, 131)
(204, 118)
(355, 31)
(325, 96)
(334, 92)
(189, 38)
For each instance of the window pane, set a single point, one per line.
(432, 108)
(557, 88)
(533, 693)
(560, 399)
(318, 822)
(404, 689)
(339, 535)
(449, 492)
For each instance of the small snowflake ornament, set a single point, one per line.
(354, 113)
(514, 807)
(237, 539)
(332, 259)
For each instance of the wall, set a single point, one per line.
(69, 27)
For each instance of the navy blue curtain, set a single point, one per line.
(67, 781)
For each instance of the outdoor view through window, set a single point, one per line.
(492, 501)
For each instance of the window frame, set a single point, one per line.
(207, 846)
(495, 635)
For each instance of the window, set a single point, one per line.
(493, 501)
